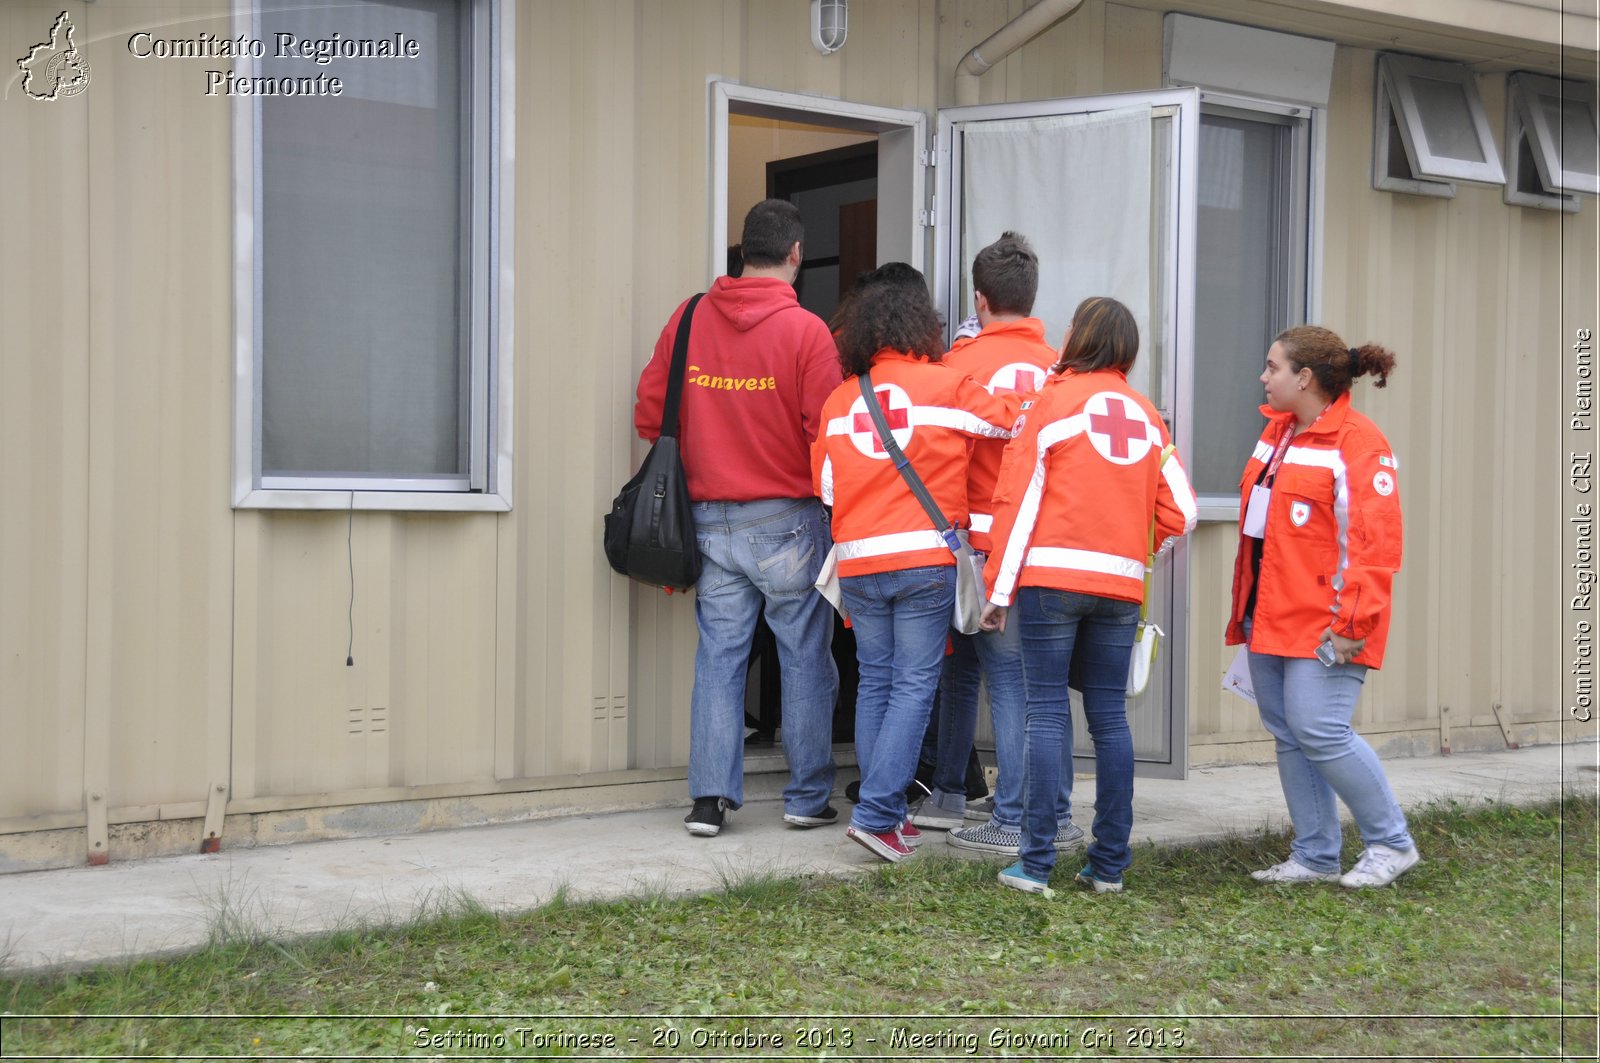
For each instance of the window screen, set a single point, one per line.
(1249, 282)
(366, 248)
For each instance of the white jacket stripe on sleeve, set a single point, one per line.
(1011, 561)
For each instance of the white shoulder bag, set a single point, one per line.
(1147, 636)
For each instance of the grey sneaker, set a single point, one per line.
(930, 814)
(1379, 865)
(1069, 836)
(992, 839)
(980, 810)
(1293, 871)
(987, 838)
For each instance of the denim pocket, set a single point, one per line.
(1058, 607)
(931, 582)
(787, 563)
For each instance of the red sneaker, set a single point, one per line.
(911, 835)
(887, 844)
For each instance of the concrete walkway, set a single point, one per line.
(82, 916)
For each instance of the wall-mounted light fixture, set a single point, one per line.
(830, 24)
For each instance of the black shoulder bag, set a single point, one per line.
(649, 533)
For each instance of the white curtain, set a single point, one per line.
(1078, 187)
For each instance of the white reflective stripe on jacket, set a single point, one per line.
(894, 543)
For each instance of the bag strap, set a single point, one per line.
(680, 362)
(903, 463)
(1150, 550)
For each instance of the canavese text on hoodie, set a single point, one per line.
(760, 367)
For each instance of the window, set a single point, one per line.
(1523, 187)
(1430, 128)
(1251, 278)
(1551, 137)
(372, 354)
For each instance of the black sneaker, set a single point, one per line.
(705, 819)
(828, 815)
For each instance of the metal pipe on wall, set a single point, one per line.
(1007, 39)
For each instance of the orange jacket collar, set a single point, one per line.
(1332, 418)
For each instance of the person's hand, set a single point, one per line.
(994, 617)
(1345, 650)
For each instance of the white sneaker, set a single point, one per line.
(1292, 870)
(1379, 865)
(1086, 879)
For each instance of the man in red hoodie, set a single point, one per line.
(760, 366)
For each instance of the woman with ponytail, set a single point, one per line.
(1319, 545)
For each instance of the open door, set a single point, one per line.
(1104, 188)
(898, 136)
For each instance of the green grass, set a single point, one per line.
(1478, 951)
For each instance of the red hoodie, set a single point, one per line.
(760, 367)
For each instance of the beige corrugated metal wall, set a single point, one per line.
(116, 406)
(156, 642)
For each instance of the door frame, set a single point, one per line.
(1177, 312)
(902, 160)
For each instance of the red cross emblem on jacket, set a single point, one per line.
(1117, 428)
(896, 414)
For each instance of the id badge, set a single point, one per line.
(1255, 514)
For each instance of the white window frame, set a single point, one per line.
(1310, 150)
(1522, 90)
(1516, 175)
(487, 488)
(1395, 102)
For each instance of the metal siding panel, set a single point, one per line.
(651, 636)
(459, 633)
(1211, 551)
(44, 370)
(1533, 378)
(418, 705)
(303, 692)
(890, 66)
(159, 563)
(573, 410)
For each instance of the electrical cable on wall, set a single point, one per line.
(350, 556)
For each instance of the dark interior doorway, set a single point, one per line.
(837, 193)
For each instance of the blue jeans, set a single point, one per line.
(996, 658)
(1091, 638)
(753, 552)
(900, 620)
(1307, 707)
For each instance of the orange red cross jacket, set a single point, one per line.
(1333, 536)
(1078, 487)
(934, 412)
(1006, 357)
